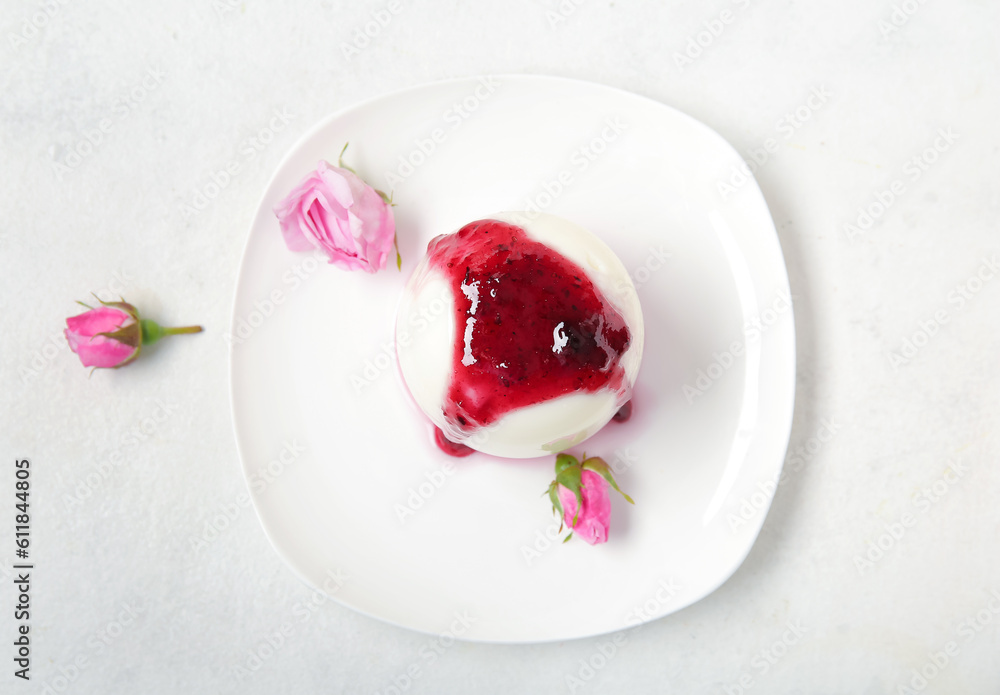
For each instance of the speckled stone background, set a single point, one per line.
(874, 130)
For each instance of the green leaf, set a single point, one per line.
(556, 503)
(598, 465)
(569, 478)
(563, 461)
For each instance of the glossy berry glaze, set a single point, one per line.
(449, 447)
(529, 325)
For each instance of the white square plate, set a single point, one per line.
(346, 481)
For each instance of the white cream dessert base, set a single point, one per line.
(425, 339)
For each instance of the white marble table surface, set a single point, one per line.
(893, 452)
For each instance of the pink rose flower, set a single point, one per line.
(106, 337)
(335, 211)
(594, 515)
(112, 335)
(579, 494)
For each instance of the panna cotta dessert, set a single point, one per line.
(519, 335)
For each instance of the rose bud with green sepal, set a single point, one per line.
(112, 335)
(579, 494)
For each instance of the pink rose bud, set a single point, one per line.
(579, 494)
(112, 335)
(335, 211)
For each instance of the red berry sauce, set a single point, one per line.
(449, 447)
(529, 324)
(624, 413)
